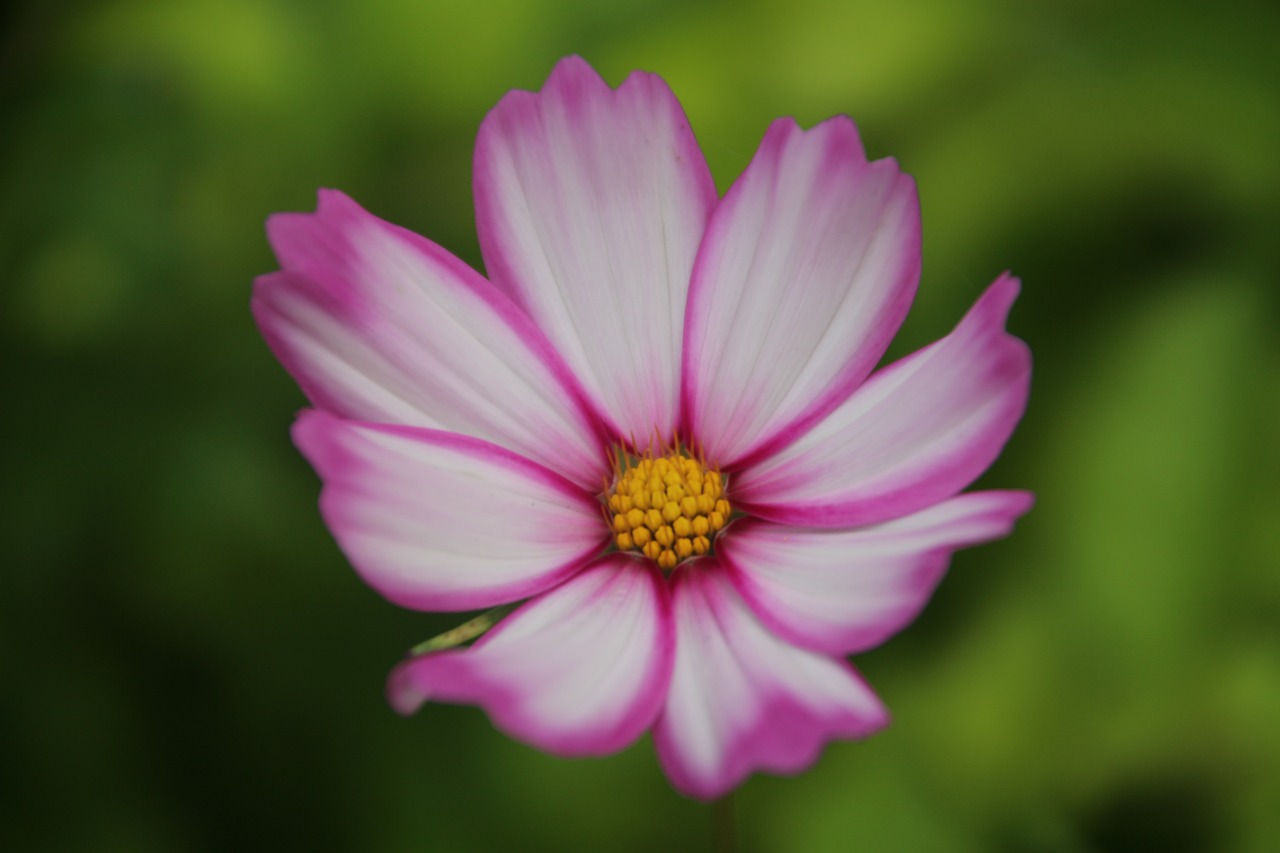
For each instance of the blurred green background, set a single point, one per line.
(189, 664)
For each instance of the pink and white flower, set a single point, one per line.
(656, 420)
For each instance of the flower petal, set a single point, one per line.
(379, 324)
(808, 268)
(741, 699)
(590, 205)
(845, 591)
(580, 670)
(440, 521)
(917, 432)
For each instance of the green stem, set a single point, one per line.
(468, 630)
(726, 833)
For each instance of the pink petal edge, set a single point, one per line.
(379, 324)
(845, 591)
(917, 432)
(440, 521)
(590, 206)
(810, 237)
(581, 670)
(742, 699)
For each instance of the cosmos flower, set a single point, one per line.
(656, 423)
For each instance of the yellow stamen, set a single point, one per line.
(667, 507)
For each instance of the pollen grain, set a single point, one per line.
(668, 507)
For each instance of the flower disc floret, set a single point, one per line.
(668, 507)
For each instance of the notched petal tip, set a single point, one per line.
(573, 76)
(571, 82)
(328, 203)
(808, 267)
(743, 700)
(916, 432)
(997, 300)
(837, 135)
(590, 205)
(317, 244)
(379, 324)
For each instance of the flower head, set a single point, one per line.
(656, 420)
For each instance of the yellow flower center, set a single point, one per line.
(667, 508)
